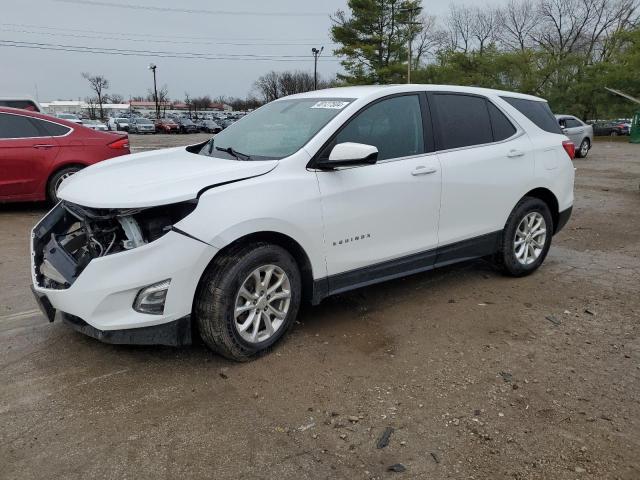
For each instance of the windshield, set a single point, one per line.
(277, 130)
(122, 120)
(67, 115)
(143, 121)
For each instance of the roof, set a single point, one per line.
(364, 91)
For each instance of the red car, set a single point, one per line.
(37, 152)
(164, 125)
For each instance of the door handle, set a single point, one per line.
(422, 170)
(43, 146)
(515, 153)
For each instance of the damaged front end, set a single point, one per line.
(71, 236)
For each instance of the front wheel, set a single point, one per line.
(247, 300)
(526, 238)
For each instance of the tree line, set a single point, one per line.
(566, 51)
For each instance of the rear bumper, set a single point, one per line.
(563, 218)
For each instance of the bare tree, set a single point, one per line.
(429, 40)
(92, 106)
(114, 98)
(515, 23)
(460, 24)
(188, 102)
(268, 86)
(483, 27)
(98, 84)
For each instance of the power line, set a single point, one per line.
(151, 53)
(199, 11)
(187, 42)
(146, 35)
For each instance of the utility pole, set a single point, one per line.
(411, 23)
(316, 54)
(152, 67)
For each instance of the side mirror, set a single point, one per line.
(349, 154)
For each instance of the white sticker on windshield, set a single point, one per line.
(331, 104)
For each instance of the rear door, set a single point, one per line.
(485, 161)
(574, 129)
(26, 153)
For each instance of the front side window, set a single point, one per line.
(275, 131)
(393, 126)
(463, 120)
(17, 126)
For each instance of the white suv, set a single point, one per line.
(308, 196)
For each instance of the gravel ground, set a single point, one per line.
(480, 376)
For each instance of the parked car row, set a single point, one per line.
(612, 128)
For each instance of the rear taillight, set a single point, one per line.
(570, 148)
(120, 144)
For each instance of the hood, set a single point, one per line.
(159, 177)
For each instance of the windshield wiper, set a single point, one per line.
(234, 153)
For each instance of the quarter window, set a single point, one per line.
(393, 126)
(53, 129)
(463, 120)
(537, 111)
(17, 126)
(500, 124)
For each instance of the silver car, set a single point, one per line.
(578, 132)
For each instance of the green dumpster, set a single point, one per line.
(635, 128)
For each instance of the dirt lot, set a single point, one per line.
(481, 376)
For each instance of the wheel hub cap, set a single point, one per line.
(262, 303)
(530, 238)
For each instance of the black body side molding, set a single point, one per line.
(400, 267)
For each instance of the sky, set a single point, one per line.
(231, 44)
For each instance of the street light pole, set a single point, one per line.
(153, 67)
(316, 54)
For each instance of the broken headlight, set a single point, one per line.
(68, 238)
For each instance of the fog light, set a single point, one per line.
(151, 299)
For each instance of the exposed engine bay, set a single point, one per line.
(71, 236)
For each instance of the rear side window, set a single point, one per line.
(17, 126)
(536, 111)
(463, 120)
(53, 129)
(393, 126)
(572, 123)
(500, 124)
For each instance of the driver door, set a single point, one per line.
(381, 220)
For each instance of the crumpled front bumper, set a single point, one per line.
(103, 294)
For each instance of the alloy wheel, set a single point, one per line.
(60, 179)
(584, 148)
(530, 238)
(262, 303)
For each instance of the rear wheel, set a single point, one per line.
(247, 300)
(526, 238)
(56, 180)
(583, 150)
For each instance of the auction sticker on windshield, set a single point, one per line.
(331, 104)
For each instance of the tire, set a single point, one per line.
(56, 179)
(219, 295)
(583, 149)
(507, 258)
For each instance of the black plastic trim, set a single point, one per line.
(182, 232)
(563, 219)
(173, 334)
(470, 249)
(44, 304)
